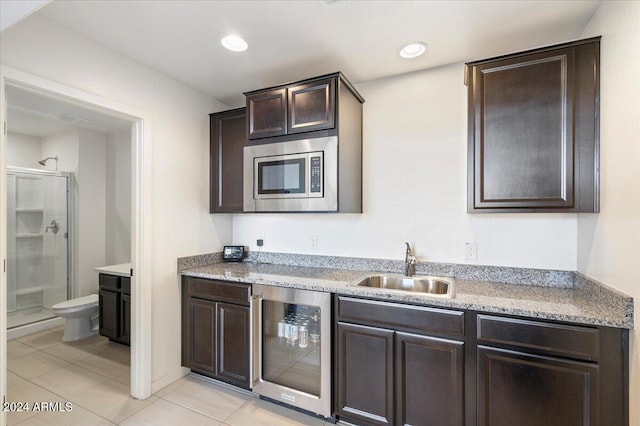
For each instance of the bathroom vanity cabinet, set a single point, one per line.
(115, 308)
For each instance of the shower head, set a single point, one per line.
(44, 161)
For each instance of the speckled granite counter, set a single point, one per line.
(586, 302)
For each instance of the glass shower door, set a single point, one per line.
(37, 244)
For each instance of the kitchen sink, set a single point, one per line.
(434, 286)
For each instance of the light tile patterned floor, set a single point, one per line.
(94, 375)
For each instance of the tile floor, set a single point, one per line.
(94, 376)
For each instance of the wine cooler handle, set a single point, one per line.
(256, 339)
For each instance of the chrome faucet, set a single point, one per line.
(409, 262)
(53, 226)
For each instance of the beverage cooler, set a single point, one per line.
(292, 347)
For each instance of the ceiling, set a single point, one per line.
(35, 114)
(291, 40)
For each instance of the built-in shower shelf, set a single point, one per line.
(34, 235)
(29, 210)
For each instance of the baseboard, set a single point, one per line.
(169, 378)
(25, 330)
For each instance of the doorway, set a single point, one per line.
(139, 123)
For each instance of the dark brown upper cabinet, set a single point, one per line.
(311, 106)
(228, 136)
(533, 124)
(315, 105)
(267, 113)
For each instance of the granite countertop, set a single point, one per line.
(587, 302)
(123, 269)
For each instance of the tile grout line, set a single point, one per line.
(188, 408)
(64, 398)
(42, 350)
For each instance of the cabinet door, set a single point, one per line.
(233, 344)
(228, 135)
(267, 114)
(125, 319)
(533, 130)
(109, 313)
(525, 390)
(311, 106)
(202, 318)
(523, 131)
(365, 374)
(429, 381)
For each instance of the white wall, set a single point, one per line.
(64, 145)
(414, 189)
(23, 150)
(90, 229)
(608, 242)
(118, 198)
(181, 224)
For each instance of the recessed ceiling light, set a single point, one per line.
(234, 43)
(413, 50)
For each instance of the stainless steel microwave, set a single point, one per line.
(294, 176)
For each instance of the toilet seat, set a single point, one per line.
(76, 304)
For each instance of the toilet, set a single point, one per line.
(81, 317)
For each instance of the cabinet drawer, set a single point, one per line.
(125, 285)
(109, 281)
(417, 319)
(555, 339)
(219, 290)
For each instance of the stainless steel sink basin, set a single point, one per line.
(434, 286)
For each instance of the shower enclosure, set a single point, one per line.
(38, 243)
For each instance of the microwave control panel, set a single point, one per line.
(316, 175)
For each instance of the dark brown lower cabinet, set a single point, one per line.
(394, 367)
(233, 350)
(365, 374)
(515, 388)
(202, 320)
(429, 381)
(125, 318)
(533, 372)
(114, 312)
(216, 329)
(393, 378)
(109, 304)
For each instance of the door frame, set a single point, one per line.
(141, 219)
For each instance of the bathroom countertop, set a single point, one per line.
(587, 302)
(123, 270)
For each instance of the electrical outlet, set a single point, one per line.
(471, 250)
(314, 241)
(259, 242)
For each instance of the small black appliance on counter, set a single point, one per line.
(233, 253)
